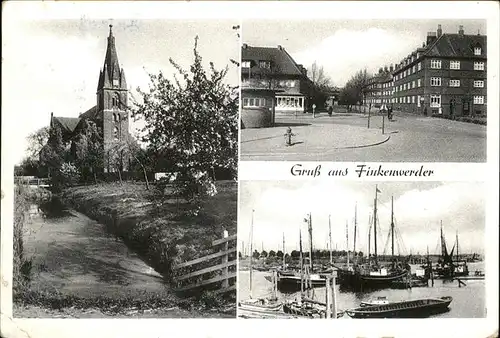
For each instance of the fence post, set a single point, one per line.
(225, 271)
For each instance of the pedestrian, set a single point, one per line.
(389, 113)
(330, 110)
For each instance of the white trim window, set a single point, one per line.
(418, 101)
(435, 101)
(435, 64)
(454, 64)
(404, 86)
(454, 83)
(478, 83)
(290, 102)
(413, 69)
(478, 65)
(245, 64)
(478, 99)
(419, 67)
(413, 99)
(435, 81)
(413, 84)
(477, 50)
(253, 102)
(419, 82)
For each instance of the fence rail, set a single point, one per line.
(32, 181)
(191, 281)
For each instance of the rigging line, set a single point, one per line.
(386, 242)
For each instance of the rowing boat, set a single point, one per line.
(406, 309)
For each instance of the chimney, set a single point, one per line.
(461, 30)
(439, 31)
(391, 68)
(244, 46)
(431, 37)
(280, 47)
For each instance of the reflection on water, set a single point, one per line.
(468, 301)
(49, 209)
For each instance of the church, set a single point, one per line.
(110, 114)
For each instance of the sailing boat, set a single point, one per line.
(257, 305)
(373, 276)
(447, 267)
(291, 281)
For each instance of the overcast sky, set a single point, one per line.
(53, 66)
(419, 207)
(343, 47)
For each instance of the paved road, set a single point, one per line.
(412, 139)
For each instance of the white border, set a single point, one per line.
(251, 328)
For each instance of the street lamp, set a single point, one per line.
(422, 100)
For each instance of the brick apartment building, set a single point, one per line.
(446, 76)
(272, 83)
(379, 90)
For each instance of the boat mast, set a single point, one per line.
(457, 246)
(284, 252)
(392, 226)
(355, 226)
(369, 236)
(375, 224)
(330, 239)
(251, 253)
(347, 239)
(310, 243)
(301, 266)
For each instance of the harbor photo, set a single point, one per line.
(361, 250)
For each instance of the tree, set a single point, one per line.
(36, 141)
(295, 254)
(279, 254)
(88, 149)
(318, 77)
(263, 254)
(272, 253)
(193, 121)
(256, 254)
(354, 89)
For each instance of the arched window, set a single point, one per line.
(116, 133)
(116, 100)
(115, 117)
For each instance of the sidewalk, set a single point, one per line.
(311, 136)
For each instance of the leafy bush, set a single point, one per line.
(21, 265)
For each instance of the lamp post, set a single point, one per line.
(422, 101)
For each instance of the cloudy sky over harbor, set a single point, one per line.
(343, 47)
(419, 208)
(53, 65)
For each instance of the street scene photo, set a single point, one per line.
(125, 187)
(364, 90)
(361, 250)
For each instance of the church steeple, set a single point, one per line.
(111, 75)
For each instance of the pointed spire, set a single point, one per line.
(111, 68)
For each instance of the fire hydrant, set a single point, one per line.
(288, 136)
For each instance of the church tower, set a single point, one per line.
(112, 108)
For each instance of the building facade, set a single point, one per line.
(446, 76)
(110, 114)
(379, 90)
(272, 68)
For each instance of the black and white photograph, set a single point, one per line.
(364, 90)
(361, 250)
(125, 193)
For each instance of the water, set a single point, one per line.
(74, 254)
(468, 301)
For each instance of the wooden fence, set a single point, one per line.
(224, 258)
(32, 181)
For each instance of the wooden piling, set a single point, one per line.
(328, 290)
(334, 298)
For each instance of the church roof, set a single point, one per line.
(89, 114)
(68, 123)
(111, 69)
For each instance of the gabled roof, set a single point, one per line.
(280, 59)
(457, 45)
(89, 114)
(67, 123)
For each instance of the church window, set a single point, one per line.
(116, 133)
(114, 118)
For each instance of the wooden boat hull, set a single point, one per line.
(292, 283)
(360, 282)
(257, 306)
(263, 314)
(419, 308)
